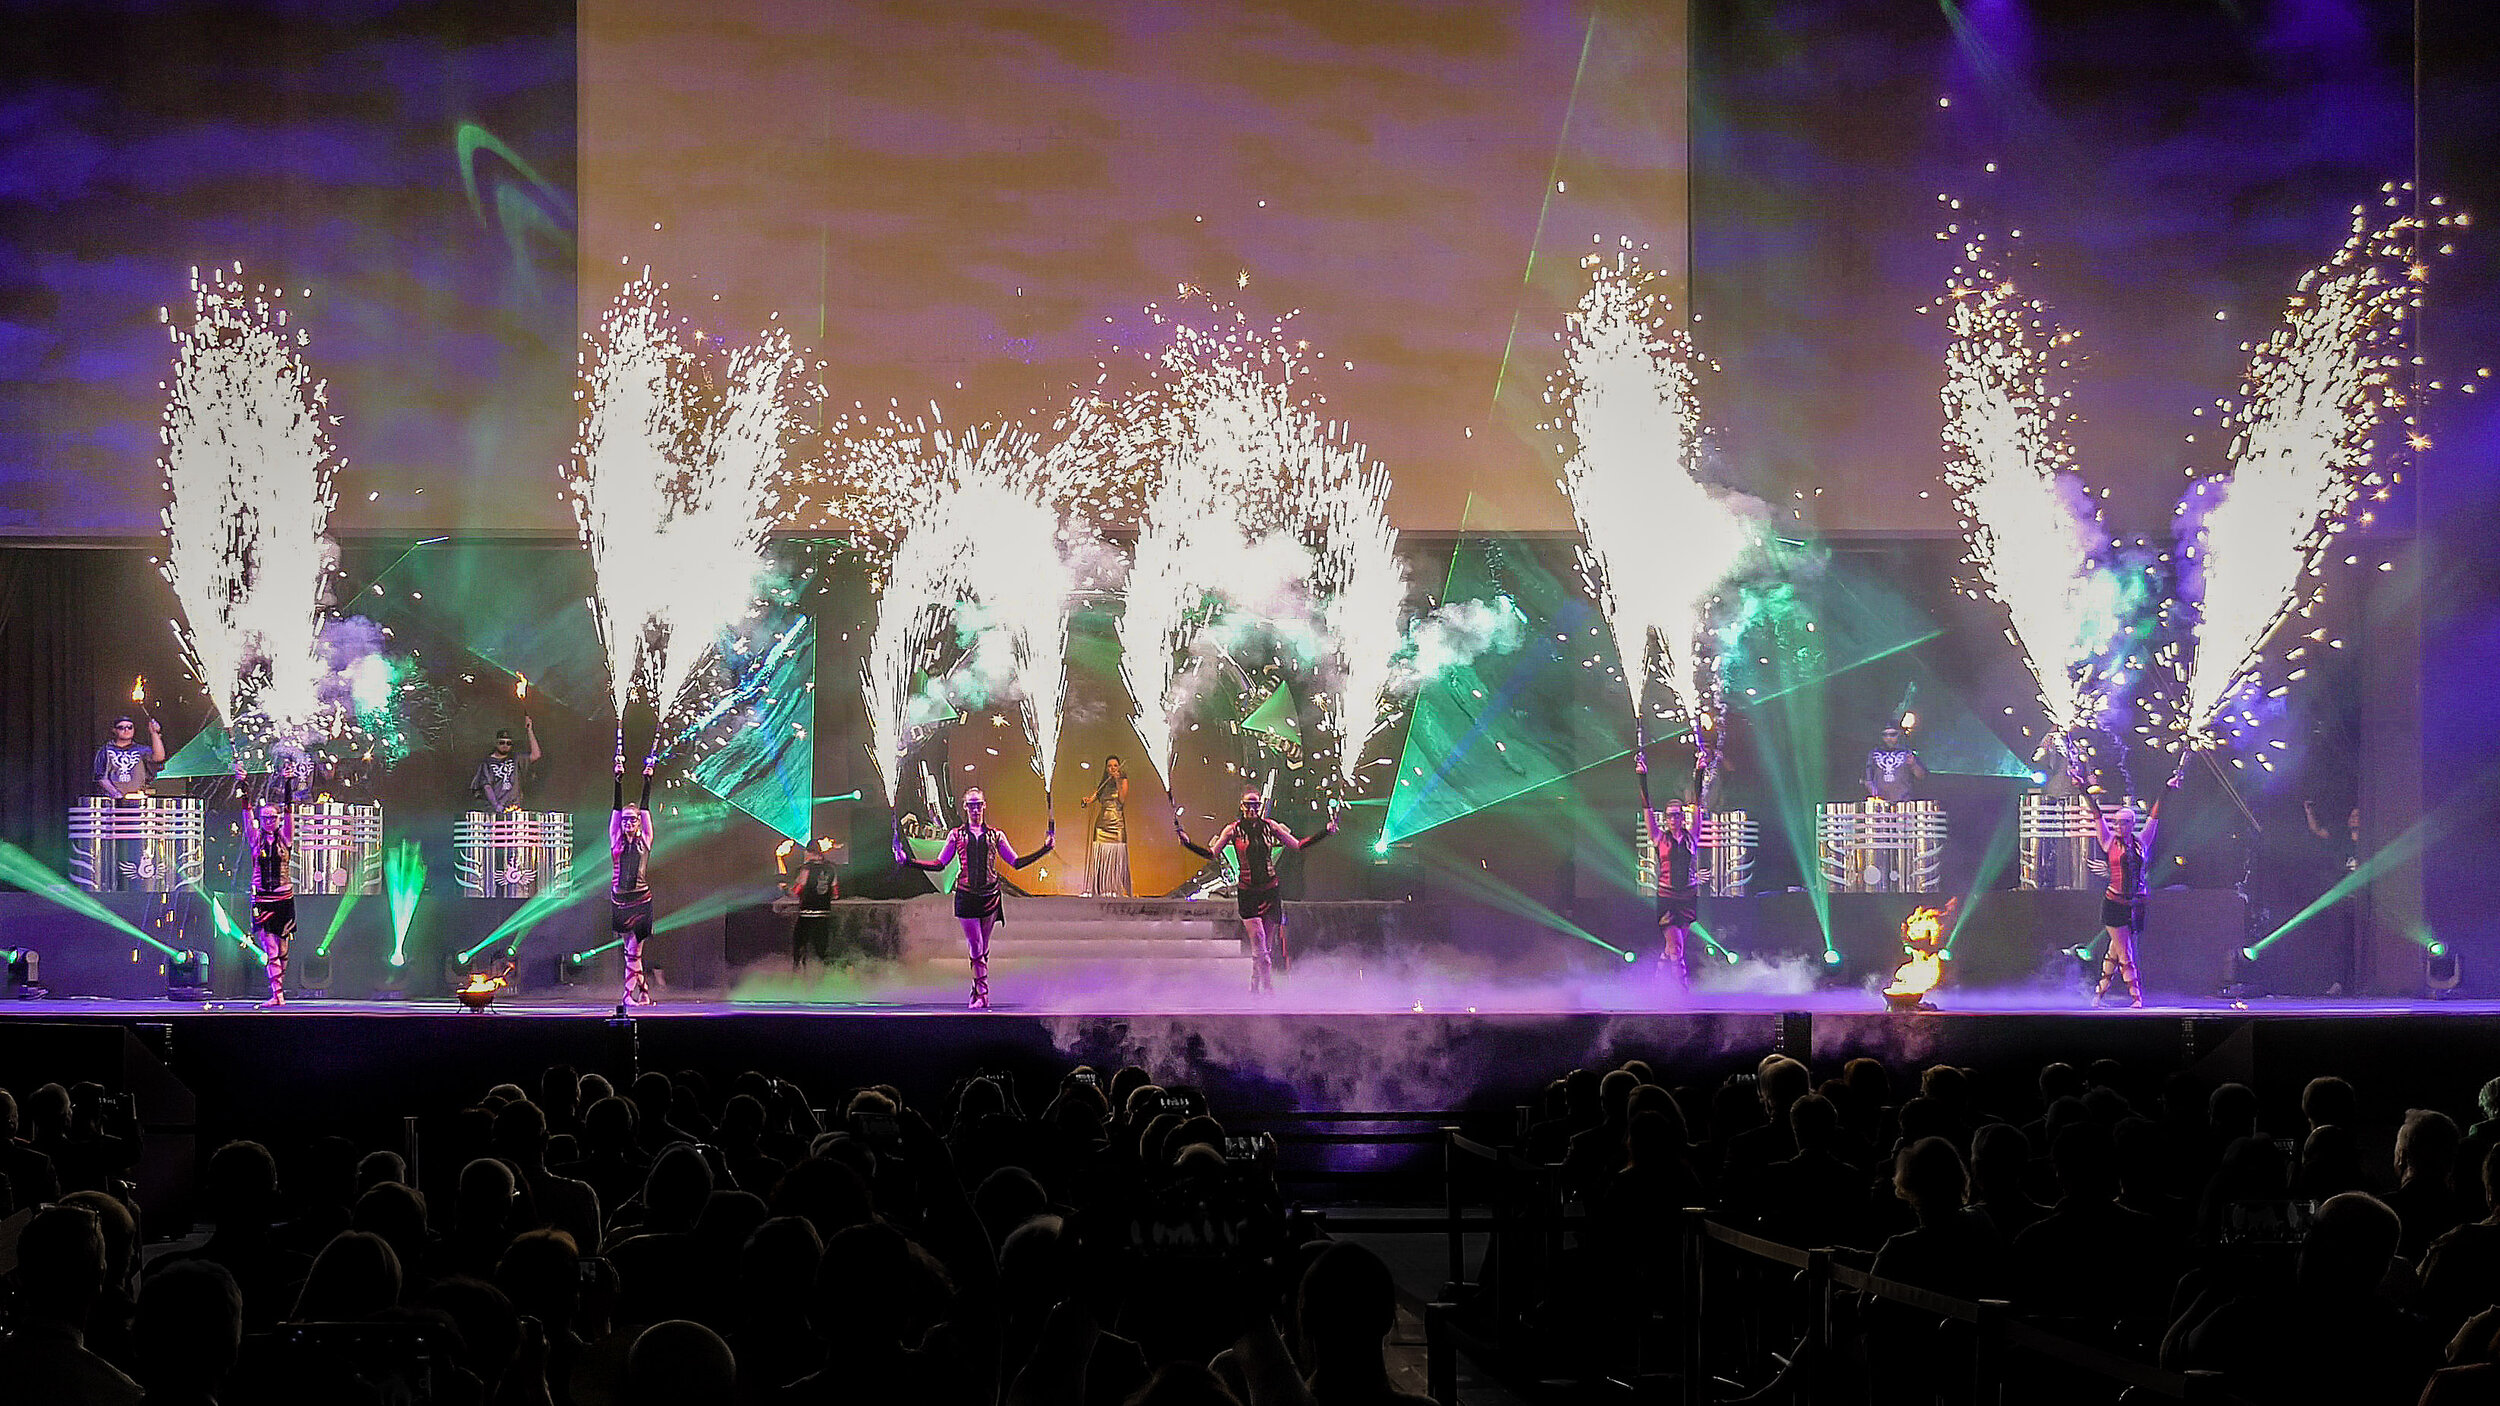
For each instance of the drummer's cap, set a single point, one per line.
(503, 734)
(125, 718)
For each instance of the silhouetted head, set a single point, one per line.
(1928, 1174)
(189, 1330)
(678, 1361)
(2348, 1248)
(356, 1275)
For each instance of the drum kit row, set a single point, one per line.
(1876, 846)
(157, 844)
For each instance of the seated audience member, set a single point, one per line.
(2460, 1272)
(44, 1357)
(2328, 1335)
(188, 1333)
(241, 1192)
(2425, 1200)
(2000, 1161)
(2091, 1260)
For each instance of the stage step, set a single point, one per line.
(1103, 949)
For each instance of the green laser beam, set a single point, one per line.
(338, 919)
(403, 879)
(610, 946)
(1562, 143)
(2000, 852)
(2466, 803)
(1496, 893)
(227, 928)
(28, 873)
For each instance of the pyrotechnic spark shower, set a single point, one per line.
(248, 483)
(986, 541)
(1261, 503)
(2029, 528)
(674, 497)
(2309, 406)
(1657, 542)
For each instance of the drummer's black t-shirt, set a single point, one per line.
(127, 768)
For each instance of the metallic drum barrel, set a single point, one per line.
(338, 848)
(1881, 847)
(512, 853)
(139, 844)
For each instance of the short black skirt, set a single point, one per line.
(1267, 903)
(1679, 908)
(629, 914)
(2122, 913)
(274, 917)
(970, 903)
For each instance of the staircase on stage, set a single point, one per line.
(1143, 936)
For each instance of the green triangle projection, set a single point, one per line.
(206, 754)
(1275, 717)
(766, 764)
(1469, 739)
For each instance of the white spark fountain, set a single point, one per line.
(673, 497)
(2028, 527)
(2309, 405)
(986, 540)
(248, 482)
(1262, 505)
(1658, 543)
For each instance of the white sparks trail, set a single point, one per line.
(983, 548)
(248, 483)
(2308, 408)
(673, 496)
(1261, 505)
(2029, 529)
(1658, 543)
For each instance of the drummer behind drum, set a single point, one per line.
(1893, 771)
(124, 770)
(503, 774)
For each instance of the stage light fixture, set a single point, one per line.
(313, 975)
(2441, 972)
(26, 974)
(186, 976)
(1831, 956)
(393, 984)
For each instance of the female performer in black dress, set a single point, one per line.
(269, 834)
(980, 904)
(1254, 839)
(629, 889)
(2129, 855)
(1676, 843)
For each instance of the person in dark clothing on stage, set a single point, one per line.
(2129, 855)
(1675, 839)
(269, 839)
(1893, 771)
(980, 902)
(1254, 839)
(814, 885)
(502, 775)
(124, 769)
(629, 890)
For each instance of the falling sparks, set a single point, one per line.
(249, 487)
(2309, 405)
(1657, 543)
(672, 487)
(1264, 512)
(2029, 526)
(984, 551)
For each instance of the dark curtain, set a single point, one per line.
(53, 614)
